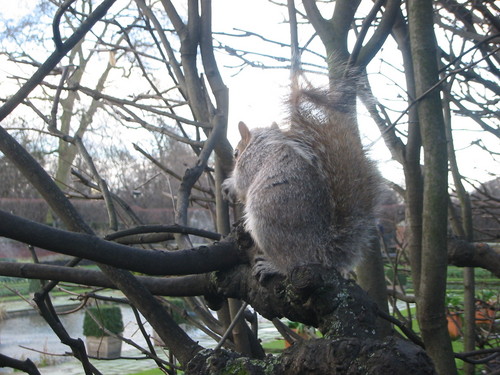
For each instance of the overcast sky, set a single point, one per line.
(257, 95)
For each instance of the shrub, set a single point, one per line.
(109, 316)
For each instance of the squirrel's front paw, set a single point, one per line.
(228, 191)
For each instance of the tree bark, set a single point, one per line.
(465, 231)
(373, 282)
(344, 356)
(321, 298)
(431, 306)
(465, 254)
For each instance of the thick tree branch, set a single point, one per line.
(342, 18)
(26, 366)
(321, 298)
(311, 295)
(195, 285)
(147, 229)
(367, 23)
(431, 312)
(465, 254)
(351, 356)
(222, 148)
(370, 49)
(323, 28)
(199, 260)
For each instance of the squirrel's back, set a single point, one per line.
(309, 192)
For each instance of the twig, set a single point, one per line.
(231, 326)
(148, 341)
(407, 331)
(286, 332)
(33, 305)
(57, 97)
(55, 24)
(44, 352)
(167, 170)
(54, 59)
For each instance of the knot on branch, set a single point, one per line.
(305, 279)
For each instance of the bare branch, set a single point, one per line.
(368, 51)
(464, 254)
(113, 222)
(54, 59)
(26, 366)
(198, 260)
(55, 23)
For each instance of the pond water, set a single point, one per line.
(31, 331)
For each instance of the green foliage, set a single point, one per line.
(454, 301)
(295, 325)
(18, 284)
(274, 346)
(488, 295)
(109, 316)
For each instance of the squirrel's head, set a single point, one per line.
(246, 137)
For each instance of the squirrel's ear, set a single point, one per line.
(244, 132)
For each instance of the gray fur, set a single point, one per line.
(309, 192)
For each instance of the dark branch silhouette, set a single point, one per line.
(199, 260)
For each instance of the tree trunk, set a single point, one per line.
(411, 161)
(464, 230)
(371, 278)
(431, 307)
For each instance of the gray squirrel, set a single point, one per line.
(309, 192)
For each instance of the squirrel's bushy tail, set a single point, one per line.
(326, 121)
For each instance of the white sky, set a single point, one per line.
(256, 95)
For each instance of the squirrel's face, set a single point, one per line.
(238, 150)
